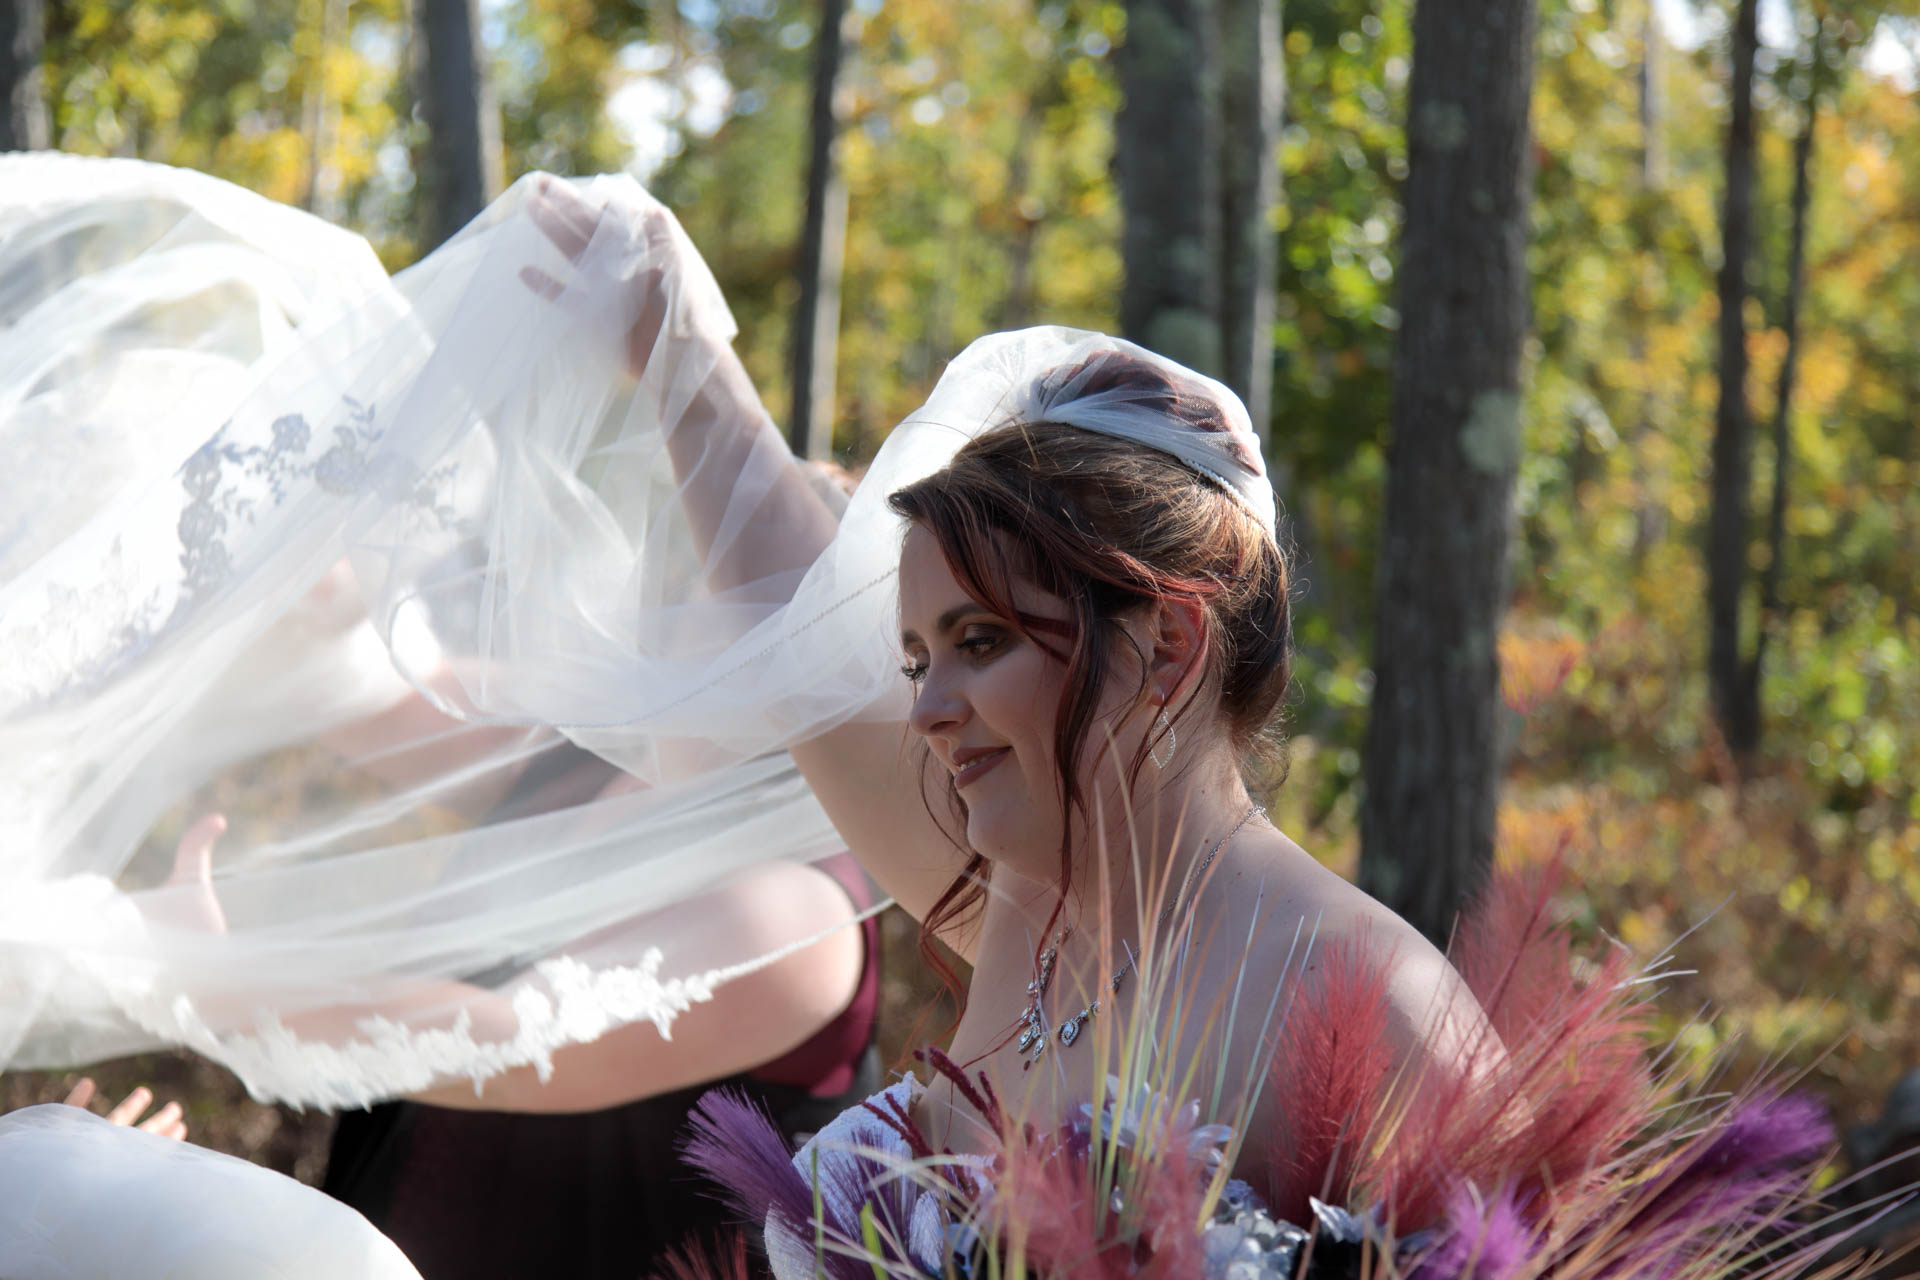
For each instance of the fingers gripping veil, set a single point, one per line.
(396, 574)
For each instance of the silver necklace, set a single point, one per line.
(1033, 1041)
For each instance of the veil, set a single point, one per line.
(364, 563)
(398, 574)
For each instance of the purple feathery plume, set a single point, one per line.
(733, 1142)
(1481, 1240)
(1760, 1137)
(1742, 1170)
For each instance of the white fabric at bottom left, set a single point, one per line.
(84, 1199)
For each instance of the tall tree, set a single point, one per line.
(320, 116)
(1431, 760)
(1735, 698)
(1252, 91)
(23, 94)
(1165, 150)
(1649, 516)
(460, 161)
(1809, 85)
(823, 239)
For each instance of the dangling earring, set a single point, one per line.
(1172, 741)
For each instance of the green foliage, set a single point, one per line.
(240, 89)
(1343, 156)
(974, 138)
(557, 66)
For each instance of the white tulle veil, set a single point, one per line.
(395, 572)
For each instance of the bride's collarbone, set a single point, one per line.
(1041, 1090)
(1045, 1083)
(1250, 927)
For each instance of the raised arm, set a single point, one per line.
(756, 515)
(752, 510)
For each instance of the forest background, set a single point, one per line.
(978, 182)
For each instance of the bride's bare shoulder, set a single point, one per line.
(1296, 918)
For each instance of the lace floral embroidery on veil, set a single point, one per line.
(91, 631)
(390, 1058)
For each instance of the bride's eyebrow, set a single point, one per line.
(946, 622)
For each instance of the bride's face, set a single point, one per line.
(987, 699)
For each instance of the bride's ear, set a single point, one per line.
(1179, 656)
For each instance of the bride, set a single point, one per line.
(1093, 622)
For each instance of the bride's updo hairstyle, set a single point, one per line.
(1109, 526)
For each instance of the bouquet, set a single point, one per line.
(1565, 1146)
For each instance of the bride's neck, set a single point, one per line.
(1136, 859)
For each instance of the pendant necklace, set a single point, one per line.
(1032, 1044)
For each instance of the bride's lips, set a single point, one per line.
(970, 765)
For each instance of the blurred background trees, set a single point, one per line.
(1725, 743)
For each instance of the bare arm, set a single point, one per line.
(750, 1021)
(755, 514)
(872, 782)
(867, 775)
(722, 442)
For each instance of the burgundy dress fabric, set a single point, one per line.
(477, 1195)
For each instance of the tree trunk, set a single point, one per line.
(1252, 89)
(1165, 149)
(1789, 367)
(1017, 305)
(460, 165)
(816, 319)
(320, 120)
(1649, 516)
(23, 91)
(1432, 757)
(1727, 533)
